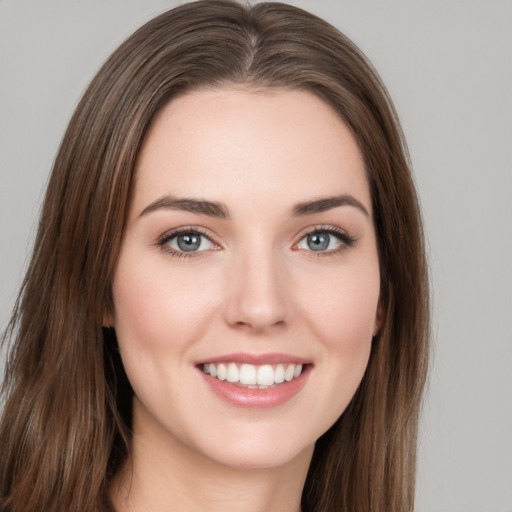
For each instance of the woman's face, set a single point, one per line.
(247, 286)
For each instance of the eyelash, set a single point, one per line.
(346, 240)
(186, 230)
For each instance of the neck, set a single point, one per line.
(165, 476)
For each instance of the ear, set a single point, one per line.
(379, 319)
(108, 319)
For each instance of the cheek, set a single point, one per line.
(346, 334)
(342, 314)
(344, 323)
(342, 308)
(159, 313)
(139, 308)
(154, 305)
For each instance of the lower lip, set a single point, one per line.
(256, 398)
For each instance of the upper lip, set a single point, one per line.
(256, 359)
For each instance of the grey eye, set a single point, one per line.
(319, 241)
(190, 242)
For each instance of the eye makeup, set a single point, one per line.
(192, 241)
(319, 241)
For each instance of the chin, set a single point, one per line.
(260, 457)
(254, 446)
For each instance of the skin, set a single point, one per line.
(255, 287)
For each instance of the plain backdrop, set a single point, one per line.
(448, 66)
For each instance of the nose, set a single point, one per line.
(258, 293)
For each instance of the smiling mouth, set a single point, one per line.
(253, 376)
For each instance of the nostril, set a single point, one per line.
(259, 324)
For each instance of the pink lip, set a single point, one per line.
(256, 398)
(256, 359)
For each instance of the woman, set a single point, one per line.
(227, 303)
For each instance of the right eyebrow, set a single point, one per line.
(201, 206)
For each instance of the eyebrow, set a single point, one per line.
(201, 206)
(220, 210)
(327, 203)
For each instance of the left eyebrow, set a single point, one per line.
(327, 203)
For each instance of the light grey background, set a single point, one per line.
(448, 66)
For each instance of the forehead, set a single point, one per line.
(232, 144)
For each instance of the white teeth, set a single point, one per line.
(248, 374)
(265, 375)
(222, 372)
(233, 374)
(288, 374)
(279, 374)
(252, 376)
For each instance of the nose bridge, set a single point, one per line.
(257, 297)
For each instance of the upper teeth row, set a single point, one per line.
(248, 374)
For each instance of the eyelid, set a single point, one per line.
(174, 232)
(346, 239)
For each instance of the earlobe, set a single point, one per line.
(379, 319)
(108, 320)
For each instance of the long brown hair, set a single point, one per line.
(65, 429)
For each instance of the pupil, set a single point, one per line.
(318, 241)
(189, 243)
